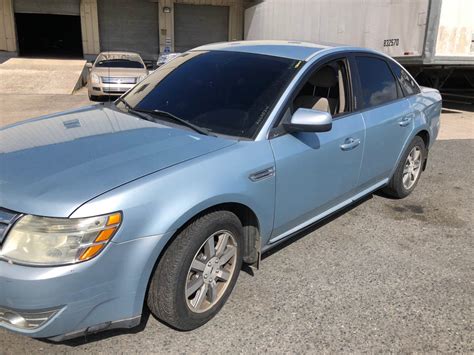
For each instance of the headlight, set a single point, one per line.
(95, 78)
(58, 241)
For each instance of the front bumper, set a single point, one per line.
(103, 293)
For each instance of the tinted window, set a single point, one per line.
(408, 85)
(226, 92)
(378, 84)
(118, 63)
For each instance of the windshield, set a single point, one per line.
(227, 93)
(119, 61)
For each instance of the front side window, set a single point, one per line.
(377, 82)
(327, 89)
(229, 93)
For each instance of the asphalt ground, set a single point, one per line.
(381, 276)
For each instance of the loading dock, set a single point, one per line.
(144, 26)
(37, 24)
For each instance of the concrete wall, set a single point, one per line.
(90, 23)
(90, 28)
(7, 27)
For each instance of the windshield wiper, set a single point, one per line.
(166, 114)
(131, 110)
(145, 115)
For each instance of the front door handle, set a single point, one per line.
(350, 143)
(405, 121)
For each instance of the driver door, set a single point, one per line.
(317, 171)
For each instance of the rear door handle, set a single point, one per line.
(350, 143)
(405, 121)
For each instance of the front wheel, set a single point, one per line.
(198, 271)
(408, 171)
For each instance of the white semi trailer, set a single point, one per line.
(434, 39)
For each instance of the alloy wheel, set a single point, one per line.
(412, 168)
(211, 271)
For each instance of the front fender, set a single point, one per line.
(160, 203)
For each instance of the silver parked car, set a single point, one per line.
(114, 73)
(166, 57)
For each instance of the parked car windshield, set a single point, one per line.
(119, 61)
(228, 93)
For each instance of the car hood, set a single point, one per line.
(51, 165)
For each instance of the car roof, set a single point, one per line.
(287, 49)
(119, 53)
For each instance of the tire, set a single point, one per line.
(171, 298)
(397, 188)
(93, 98)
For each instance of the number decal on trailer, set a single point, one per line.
(391, 42)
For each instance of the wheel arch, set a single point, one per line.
(246, 215)
(425, 135)
(251, 233)
(250, 224)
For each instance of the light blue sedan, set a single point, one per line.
(215, 158)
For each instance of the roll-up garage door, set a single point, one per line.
(129, 25)
(195, 25)
(53, 7)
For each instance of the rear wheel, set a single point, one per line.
(198, 271)
(408, 172)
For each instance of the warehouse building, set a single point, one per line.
(83, 28)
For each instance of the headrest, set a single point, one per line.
(325, 77)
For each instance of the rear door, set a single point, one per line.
(387, 116)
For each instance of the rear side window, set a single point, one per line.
(378, 84)
(408, 85)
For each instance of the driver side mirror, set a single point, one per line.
(306, 120)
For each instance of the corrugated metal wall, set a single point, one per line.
(195, 25)
(56, 7)
(130, 25)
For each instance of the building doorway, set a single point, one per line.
(47, 35)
